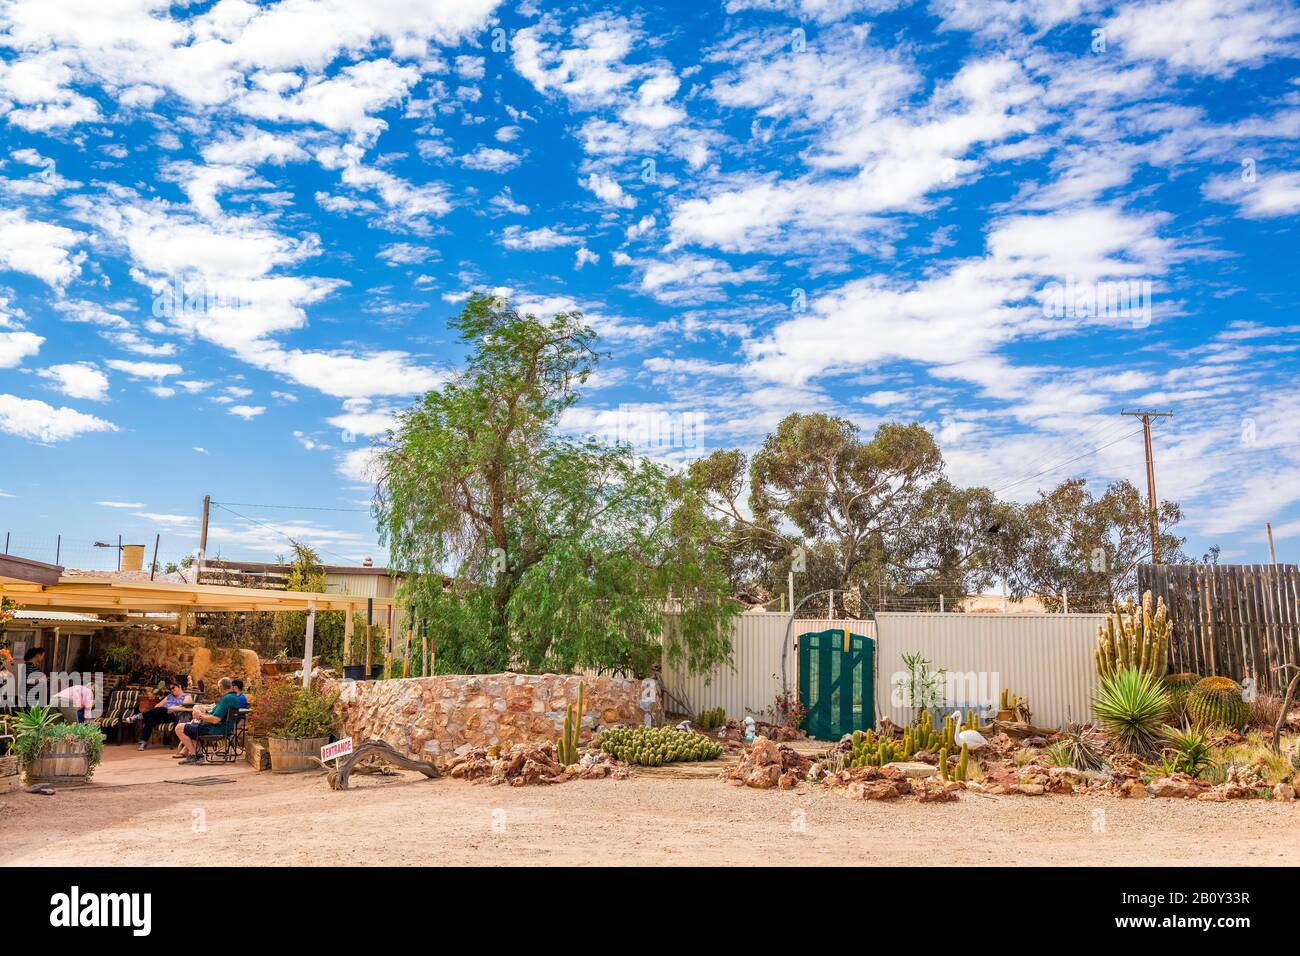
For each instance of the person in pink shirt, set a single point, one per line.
(79, 696)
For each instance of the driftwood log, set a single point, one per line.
(1286, 705)
(338, 775)
(1019, 730)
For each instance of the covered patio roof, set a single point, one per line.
(110, 595)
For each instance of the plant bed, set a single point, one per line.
(9, 778)
(302, 723)
(294, 754)
(53, 752)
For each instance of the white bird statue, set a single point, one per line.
(973, 739)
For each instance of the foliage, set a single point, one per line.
(1187, 750)
(1265, 709)
(1069, 539)
(527, 549)
(1077, 748)
(1134, 637)
(311, 715)
(1131, 705)
(868, 515)
(1218, 702)
(119, 659)
(920, 688)
(272, 707)
(788, 708)
(655, 746)
(711, 719)
(36, 728)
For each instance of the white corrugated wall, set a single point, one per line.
(1046, 658)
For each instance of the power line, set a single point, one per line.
(1068, 461)
(283, 533)
(250, 504)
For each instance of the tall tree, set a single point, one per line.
(1092, 546)
(525, 548)
(875, 513)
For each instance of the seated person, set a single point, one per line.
(176, 697)
(38, 682)
(212, 723)
(238, 683)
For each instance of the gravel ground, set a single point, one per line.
(267, 819)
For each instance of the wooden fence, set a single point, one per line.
(1234, 620)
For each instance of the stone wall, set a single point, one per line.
(179, 654)
(426, 716)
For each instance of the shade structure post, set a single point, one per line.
(307, 647)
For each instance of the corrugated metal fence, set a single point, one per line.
(1046, 658)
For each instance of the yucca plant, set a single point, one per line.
(1131, 706)
(1077, 748)
(1188, 750)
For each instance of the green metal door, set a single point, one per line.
(835, 685)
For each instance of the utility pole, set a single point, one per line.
(1146, 417)
(1272, 555)
(203, 539)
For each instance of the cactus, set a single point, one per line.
(943, 764)
(566, 749)
(711, 719)
(1178, 686)
(1134, 637)
(963, 764)
(1217, 702)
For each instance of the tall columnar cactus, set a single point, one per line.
(1217, 702)
(1134, 637)
(943, 763)
(567, 748)
(963, 763)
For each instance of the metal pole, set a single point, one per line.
(1272, 555)
(154, 566)
(203, 539)
(119, 552)
(308, 644)
(1065, 600)
(58, 548)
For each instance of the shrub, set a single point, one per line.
(272, 707)
(1131, 706)
(1218, 702)
(1188, 750)
(1077, 748)
(312, 715)
(41, 725)
(1264, 711)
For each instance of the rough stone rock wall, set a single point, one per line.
(432, 716)
(188, 655)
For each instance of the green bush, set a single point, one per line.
(36, 728)
(1188, 750)
(311, 715)
(1132, 705)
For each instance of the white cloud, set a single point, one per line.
(125, 505)
(491, 159)
(584, 257)
(16, 346)
(40, 249)
(40, 422)
(78, 380)
(246, 412)
(1215, 37)
(154, 370)
(517, 237)
(1266, 195)
(608, 190)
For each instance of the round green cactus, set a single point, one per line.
(1217, 702)
(1178, 686)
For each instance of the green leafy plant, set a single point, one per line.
(311, 715)
(118, 658)
(1078, 748)
(655, 746)
(1218, 702)
(1188, 750)
(1131, 706)
(36, 728)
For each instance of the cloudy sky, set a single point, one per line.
(232, 233)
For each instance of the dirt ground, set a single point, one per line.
(265, 819)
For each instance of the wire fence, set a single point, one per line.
(99, 554)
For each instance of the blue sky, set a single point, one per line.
(1005, 220)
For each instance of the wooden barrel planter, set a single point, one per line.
(62, 761)
(295, 754)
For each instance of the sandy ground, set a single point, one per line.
(265, 819)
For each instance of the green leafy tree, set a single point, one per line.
(528, 549)
(874, 514)
(1092, 546)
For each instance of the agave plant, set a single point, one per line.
(1188, 750)
(1131, 706)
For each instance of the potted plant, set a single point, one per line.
(148, 700)
(56, 752)
(295, 741)
(8, 759)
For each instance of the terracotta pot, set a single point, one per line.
(147, 702)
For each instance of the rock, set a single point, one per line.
(788, 780)
(1283, 791)
(1135, 789)
(1179, 786)
(764, 778)
(1035, 742)
(1212, 796)
(1098, 776)
(1031, 789)
(1069, 773)
(764, 752)
(914, 769)
(872, 790)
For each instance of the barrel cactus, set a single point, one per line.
(1136, 637)
(1178, 686)
(1217, 702)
